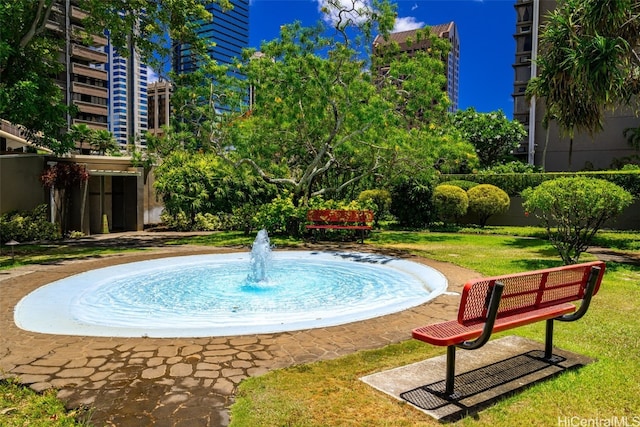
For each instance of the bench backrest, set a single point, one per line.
(527, 291)
(339, 216)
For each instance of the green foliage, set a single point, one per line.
(492, 134)
(28, 226)
(192, 184)
(486, 200)
(280, 216)
(464, 184)
(380, 203)
(510, 167)
(450, 202)
(411, 202)
(573, 209)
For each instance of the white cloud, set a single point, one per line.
(414, 7)
(406, 24)
(152, 76)
(355, 10)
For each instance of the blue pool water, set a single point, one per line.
(212, 295)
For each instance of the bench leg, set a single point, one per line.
(451, 370)
(548, 342)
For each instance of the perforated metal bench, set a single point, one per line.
(495, 304)
(340, 219)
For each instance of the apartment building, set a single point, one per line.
(406, 41)
(599, 151)
(84, 80)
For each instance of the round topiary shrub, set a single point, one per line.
(450, 202)
(486, 200)
(381, 199)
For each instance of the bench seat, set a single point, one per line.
(452, 332)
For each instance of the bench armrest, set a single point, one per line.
(588, 293)
(494, 302)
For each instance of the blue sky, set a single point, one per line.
(486, 28)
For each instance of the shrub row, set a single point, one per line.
(515, 183)
(28, 226)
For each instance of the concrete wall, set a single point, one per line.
(629, 219)
(20, 186)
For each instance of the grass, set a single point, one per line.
(21, 406)
(330, 394)
(51, 254)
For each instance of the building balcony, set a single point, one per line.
(96, 39)
(88, 54)
(92, 125)
(83, 70)
(78, 14)
(86, 89)
(90, 108)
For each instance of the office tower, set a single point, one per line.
(406, 41)
(229, 30)
(128, 110)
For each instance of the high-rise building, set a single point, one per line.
(229, 30)
(406, 41)
(599, 151)
(83, 81)
(128, 110)
(158, 95)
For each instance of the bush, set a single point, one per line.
(28, 226)
(465, 185)
(486, 200)
(381, 201)
(573, 209)
(450, 202)
(280, 216)
(411, 202)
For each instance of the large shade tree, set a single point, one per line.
(319, 122)
(587, 63)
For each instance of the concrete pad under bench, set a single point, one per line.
(501, 368)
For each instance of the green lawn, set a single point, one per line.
(330, 393)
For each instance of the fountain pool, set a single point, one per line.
(215, 295)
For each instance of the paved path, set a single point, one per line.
(178, 381)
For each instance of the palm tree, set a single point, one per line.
(103, 142)
(81, 133)
(586, 62)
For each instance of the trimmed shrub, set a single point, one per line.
(450, 202)
(573, 209)
(486, 200)
(465, 185)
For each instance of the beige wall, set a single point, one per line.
(20, 187)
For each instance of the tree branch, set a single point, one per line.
(39, 23)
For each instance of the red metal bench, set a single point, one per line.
(499, 303)
(340, 219)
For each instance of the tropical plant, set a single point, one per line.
(81, 133)
(486, 200)
(573, 209)
(103, 142)
(587, 63)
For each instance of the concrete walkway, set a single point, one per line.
(179, 381)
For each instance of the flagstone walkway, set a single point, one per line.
(178, 381)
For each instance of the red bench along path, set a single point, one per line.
(495, 304)
(340, 219)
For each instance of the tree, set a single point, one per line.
(492, 134)
(573, 209)
(81, 133)
(587, 63)
(103, 142)
(29, 95)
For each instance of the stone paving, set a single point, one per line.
(179, 381)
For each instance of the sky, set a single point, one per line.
(485, 28)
